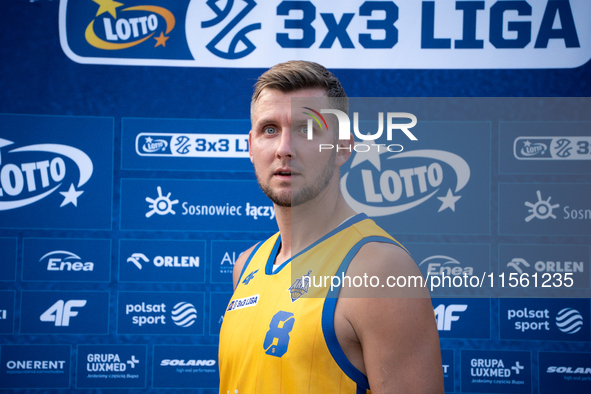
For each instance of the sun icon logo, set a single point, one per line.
(540, 209)
(161, 205)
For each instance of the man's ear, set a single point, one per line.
(250, 145)
(345, 148)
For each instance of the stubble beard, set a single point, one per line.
(305, 194)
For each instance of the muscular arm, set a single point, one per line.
(240, 264)
(392, 339)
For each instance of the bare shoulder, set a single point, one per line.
(239, 264)
(392, 319)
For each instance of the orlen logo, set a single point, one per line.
(381, 190)
(31, 173)
(444, 265)
(61, 260)
(120, 28)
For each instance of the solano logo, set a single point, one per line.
(569, 320)
(31, 173)
(118, 27)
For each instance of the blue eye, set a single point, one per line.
(269, 130)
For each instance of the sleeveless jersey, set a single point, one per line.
(278, 332)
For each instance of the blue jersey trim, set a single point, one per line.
(330, 337)
(361, 390)
(254, 251)
(272, 257)
(271, 260)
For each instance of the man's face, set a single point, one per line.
(289, 167)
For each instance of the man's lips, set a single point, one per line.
(284, 172)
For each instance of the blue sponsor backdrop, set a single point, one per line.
(7, 311)
(8, 258)
(60, 114)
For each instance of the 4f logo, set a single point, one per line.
(61, 312)
(445, 315)
(239, 37)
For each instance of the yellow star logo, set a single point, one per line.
(161, 40)
(109, 6)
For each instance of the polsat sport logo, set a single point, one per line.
(31, 173)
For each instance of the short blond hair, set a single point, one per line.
(297, 75)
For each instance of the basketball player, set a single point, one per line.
(280, 333)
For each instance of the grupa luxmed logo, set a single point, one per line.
(31, 173)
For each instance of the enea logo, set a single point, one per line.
(61, 260)
(552, 148)
(444, 265)
(33, 172)
(380, 190)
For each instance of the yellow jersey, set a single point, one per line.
(277, 335)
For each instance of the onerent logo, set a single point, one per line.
(165, 261)
(24, 181)
(387, 191)
(108, 362)
(61, 312)
(123, 28)
(444, 265)
(40, 366)
(61, 260)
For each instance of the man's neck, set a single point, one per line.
(302, 225)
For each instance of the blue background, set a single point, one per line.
(38, 79)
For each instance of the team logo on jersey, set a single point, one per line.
(300, 287)
(249, 277)
(243, 303)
